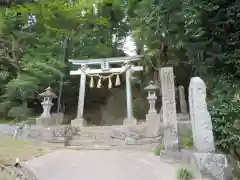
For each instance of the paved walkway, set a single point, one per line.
(101, 165)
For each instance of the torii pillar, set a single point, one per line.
(79, 121)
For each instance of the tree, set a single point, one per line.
(32, 39)
(204, 35)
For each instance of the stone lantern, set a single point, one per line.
(45, 118)
(151, 88)
(152, 118)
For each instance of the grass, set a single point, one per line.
(11, 148)
(4, 121)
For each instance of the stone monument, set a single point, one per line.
(152, 118)
(209, 163)
(171, 139)
(46, 118)
(200, 117)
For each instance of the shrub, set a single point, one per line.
(157, 151)
(225, 112)
(186, 141)
(140, 108)
(19, 112)
(184, 174)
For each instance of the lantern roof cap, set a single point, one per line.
(48, 93)
(151, 87)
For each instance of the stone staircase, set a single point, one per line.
(91, 138)
(112, 137)
(134, 137)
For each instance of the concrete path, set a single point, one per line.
(100, 165)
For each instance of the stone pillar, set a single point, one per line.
(200, 117)
(171, 140)
(47, 105)
(182, 99)
(81, 96)
(79, 121)
(130, 119)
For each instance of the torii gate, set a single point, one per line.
(105, 64)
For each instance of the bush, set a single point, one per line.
(140, 108)
(225, 111)
(19, 113)
(184, 174)
(4, 107)
(186, 141)
(158, 150)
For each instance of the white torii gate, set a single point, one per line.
(105, 64)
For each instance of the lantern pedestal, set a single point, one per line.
(46, 109)
(45, 118)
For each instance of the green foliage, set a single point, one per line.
(52, 14)
(5, 106)
(31, 51)
(225, 112)
(158, 150)
(203, 35)
(19, 113)
(186, 141)
(140, 108)
(184, 174)
(159, 26)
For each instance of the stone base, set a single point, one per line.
(58, 135)
(78, 122)
(209, 165)
(153, 124)
(44, 121)
(130, 121)
(212, 165)
(58, 118)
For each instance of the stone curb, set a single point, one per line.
(28, 172)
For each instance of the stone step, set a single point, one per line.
(82, 141)
(111, 142)
(109, 147)
(101, 127)
(95, 147)
(57, 140)
(56, 145)
(86, 142)
(91, 136)
(93, 131)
